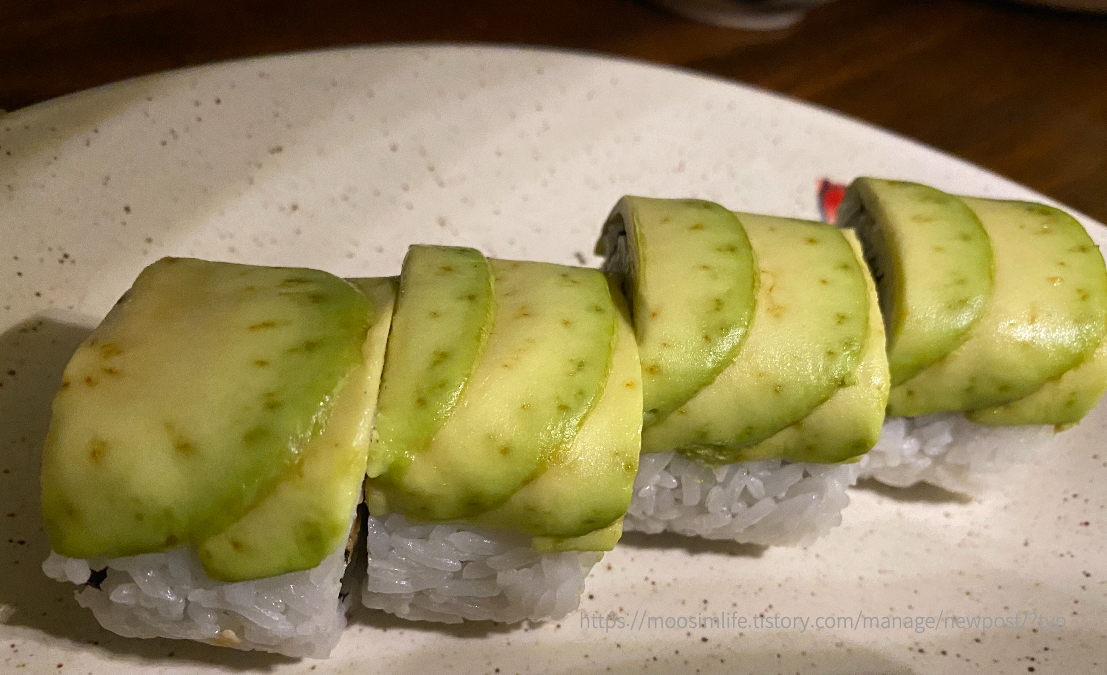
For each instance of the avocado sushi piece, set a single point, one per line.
(506, 497)
(215, 425)
(1029, 366)
(752, 455)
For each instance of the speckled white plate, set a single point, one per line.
(339, 160)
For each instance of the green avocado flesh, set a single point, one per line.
(808, 336)
(443, 313)
(600, 540)
(848, 424)
(1048, 313)
(933, 262)
(603, 457)
(694, 281)
(306, 516)
(196, 397)
(543, 367)
(1060, 402)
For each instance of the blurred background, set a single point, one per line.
(1019, 89)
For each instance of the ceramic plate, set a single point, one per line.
(341, 159)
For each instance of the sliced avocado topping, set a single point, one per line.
(933, 263)
(588, 486)
(192, 400)
(1048, 313)
(807, 339)
(1060, 402)
(600, 540)
(542, 369)
(306, 516)
(694, 280)
(442, 319)
(849, 423)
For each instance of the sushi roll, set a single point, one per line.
(763, 368)
(996, 314)
(207, 450)
(506, 440)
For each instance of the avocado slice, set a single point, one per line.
(543, 368)
(600, 540)
(691, 270)
(192, 400)
(442, 316)
(306, 516)
(1060, 402)
(849, 423)
(933, 263)
(808, 336)
(1047, 314)
(587, 486)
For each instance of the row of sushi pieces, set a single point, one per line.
(237, 451)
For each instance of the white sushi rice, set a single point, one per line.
(949, 451)
(169, 595)
(768, 502)
(450, 573)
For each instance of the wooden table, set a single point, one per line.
(1020, 91)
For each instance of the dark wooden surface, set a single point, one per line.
(1020, 91)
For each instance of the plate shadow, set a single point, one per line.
(919, 493)
(693, 545)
